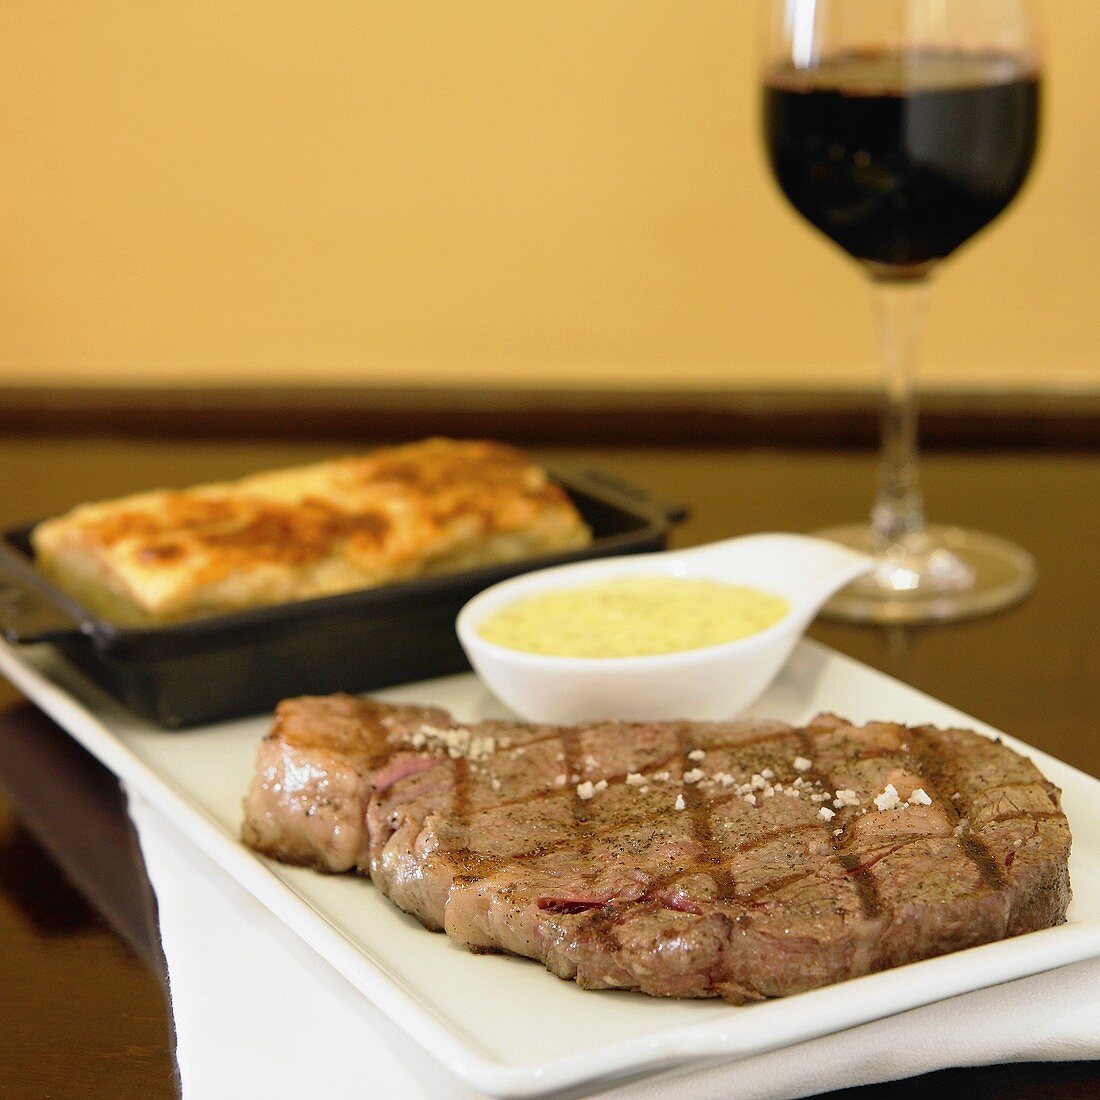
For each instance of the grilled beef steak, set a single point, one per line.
(739, 860)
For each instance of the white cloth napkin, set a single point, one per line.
(258, 1014)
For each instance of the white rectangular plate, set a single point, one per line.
(504, 1025)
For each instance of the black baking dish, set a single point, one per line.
(204, 670)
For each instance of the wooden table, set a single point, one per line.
(83, 1010)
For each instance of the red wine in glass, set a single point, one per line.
(902, 157)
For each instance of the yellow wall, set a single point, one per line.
(528, 192)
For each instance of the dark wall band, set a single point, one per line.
(802, 419)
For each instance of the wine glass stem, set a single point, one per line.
(899, 506)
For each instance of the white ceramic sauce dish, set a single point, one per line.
(707, 684)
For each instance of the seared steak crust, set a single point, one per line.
(737, 860)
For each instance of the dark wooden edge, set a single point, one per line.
(85, 830)
(826, 418)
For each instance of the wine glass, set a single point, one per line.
(900, 128)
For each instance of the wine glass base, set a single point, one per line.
(939, 575)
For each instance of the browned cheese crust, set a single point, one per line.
(672, 858)
(393, 514)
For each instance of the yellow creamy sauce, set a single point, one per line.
(633, 617)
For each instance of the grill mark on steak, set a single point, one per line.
(1006, 787)
(720, 899)
(460, 790)
(555, 792)
(601, 927)
(1021, 815)
(756, 897)
(570, 755)
(869, 899)
(709, 805)
(703, 742)
(571, 768)
(571, 750)
(700, 819)
(473, 864)
(937, 772)
(854, 867)
(865, 885)
(880, 754)
(974, 848)
(762, 840)
(941, 777)
(598, 920)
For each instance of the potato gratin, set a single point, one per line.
(390, 515)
